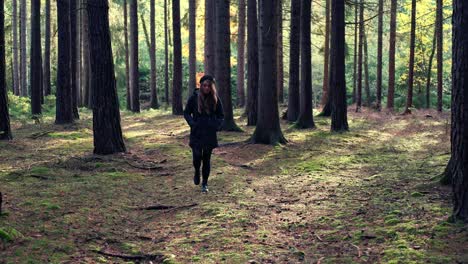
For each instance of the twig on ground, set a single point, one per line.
(358, 249)
(157, 257)
(166, 207)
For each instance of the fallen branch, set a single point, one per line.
(358, 249)
(157, 257)
(40, 134)
(39, 177)
(159, 207)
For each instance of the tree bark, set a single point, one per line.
(356, 27)
(326, 55)
(378, 105)
(268, 130)
(409, 98)
(106, 116)
(166, 55)
(14, 19)
(134, 71)
(210, 36)
(294, 56)
(192, 45)
(154, 95)
(366, 71)
(337, 81)
(86, 67)
(241, 55)
(23, 59)
(252, 63)
(64, 113)
(429, 71)
(177, 108)
(306, 119)
(391, 57)
(440, 55)
(223, 63)
(360, 57)
(127, 58)
(279, 51)
(74, 64)
(459, 134)
(5, 130)
(35, 60)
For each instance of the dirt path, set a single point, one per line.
(364, 196)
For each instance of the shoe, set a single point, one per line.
(204, 188)
(196, 178)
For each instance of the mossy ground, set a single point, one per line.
(360, 197)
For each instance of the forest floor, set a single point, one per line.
(361, 197)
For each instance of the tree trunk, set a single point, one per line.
(339, 120)
(326, 55)
(440, 55)
(46, 67)
(16, 81)
(134, 72)
(268, 130)
(127, 59)
(5, 130)
(356, 27)
(210, 36)
(252, 63)
(306, 119)
(154, 95)
(366, 71)
(429, 71)
(35, 61)
(192, 45)
(241, 55)
(391, 57)
(409, 98)
(360, 57)
(294, 55)
(23, 65)
(106, 117)
(177, 108)
(74, 64)
(64, 113)
(86, 72)
(378, 105)
(223, 63)
(166, 55)
(459, 139)
(279, 51)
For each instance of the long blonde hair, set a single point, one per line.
(207, 102)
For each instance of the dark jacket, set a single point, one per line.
(203, 126)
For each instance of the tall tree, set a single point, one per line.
(440, 56)
(14, 25)
(177, 108)
(223, 63)
(294, 55)
(252, 63)
(134, 72)
(268, 130)
(23, 54)
(366, 71)
(46, 61)
(127, 59)
(154, 94)
(106, 116)
(192, 45)
(458, 165)
(35, 61)
(210, 36)
(356, 27)
(86, 71)
(279, 51)
(73, 57)
(166, 55)
(306, 119)
(429, 70)
(241, 55)
(63, 111)
(360, 57)
(5, 130)
(337, 82)
(379, 56)
(391, 56)
(409, 98)
(326, 54)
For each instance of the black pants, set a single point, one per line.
(202, 155)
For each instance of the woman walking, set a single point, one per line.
(204, 114)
